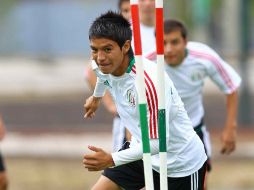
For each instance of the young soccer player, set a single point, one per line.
(110, 40)
(188, 64)
(147, 20)
(119, 133)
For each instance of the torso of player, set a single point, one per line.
(125, 97)
(188, 79)
(190, 75)
(182, 141)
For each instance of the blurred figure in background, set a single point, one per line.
(147, 22)
(3, 175)
(125, 8)
(188, 64)
(147, 26)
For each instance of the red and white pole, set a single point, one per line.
(161, 94)
(141, 96)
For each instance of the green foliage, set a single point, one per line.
(5, 7)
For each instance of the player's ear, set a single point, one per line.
(126, 46)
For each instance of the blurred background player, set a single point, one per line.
(147, 22)
(188, 64)
(125, 8)
(3, 175)
(147, 25)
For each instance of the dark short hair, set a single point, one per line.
(120, 2)
(112, 26)
(171, 25)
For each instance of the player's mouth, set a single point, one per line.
(104, 65)
(170, 57)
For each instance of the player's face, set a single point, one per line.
(109, 56)
(174, 48)
(126, 10)
(147, 8)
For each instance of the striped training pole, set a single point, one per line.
(142, 96)
(161, 94)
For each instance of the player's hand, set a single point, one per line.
(228, 140)
(90, 106)
(98, 160)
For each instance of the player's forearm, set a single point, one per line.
(232, 105)
(100, 88)
(91, 78)
(134, 153)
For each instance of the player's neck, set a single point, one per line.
(123, 67)
(131, 63)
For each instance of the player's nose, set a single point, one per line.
(167, 48)
(101, 56)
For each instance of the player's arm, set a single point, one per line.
(92, 103)
(99, 159)
(226, 78)
(91, 77)
(134, 153)
(107, 99)
(229, 131)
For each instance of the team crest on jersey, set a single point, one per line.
(195, 76)
(131, 98)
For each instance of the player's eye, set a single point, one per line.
(175, 42)
(107, 50)
(93, 50)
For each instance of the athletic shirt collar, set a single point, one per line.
(132, 61)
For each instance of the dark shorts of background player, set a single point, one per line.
(200, 133)
(131, 177)
(2, 167)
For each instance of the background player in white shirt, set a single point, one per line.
(188, 64)
(147, 21)
(147, 25)
(186, 158)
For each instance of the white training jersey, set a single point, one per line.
(201, 62)
(185, 151)
(188, 77)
